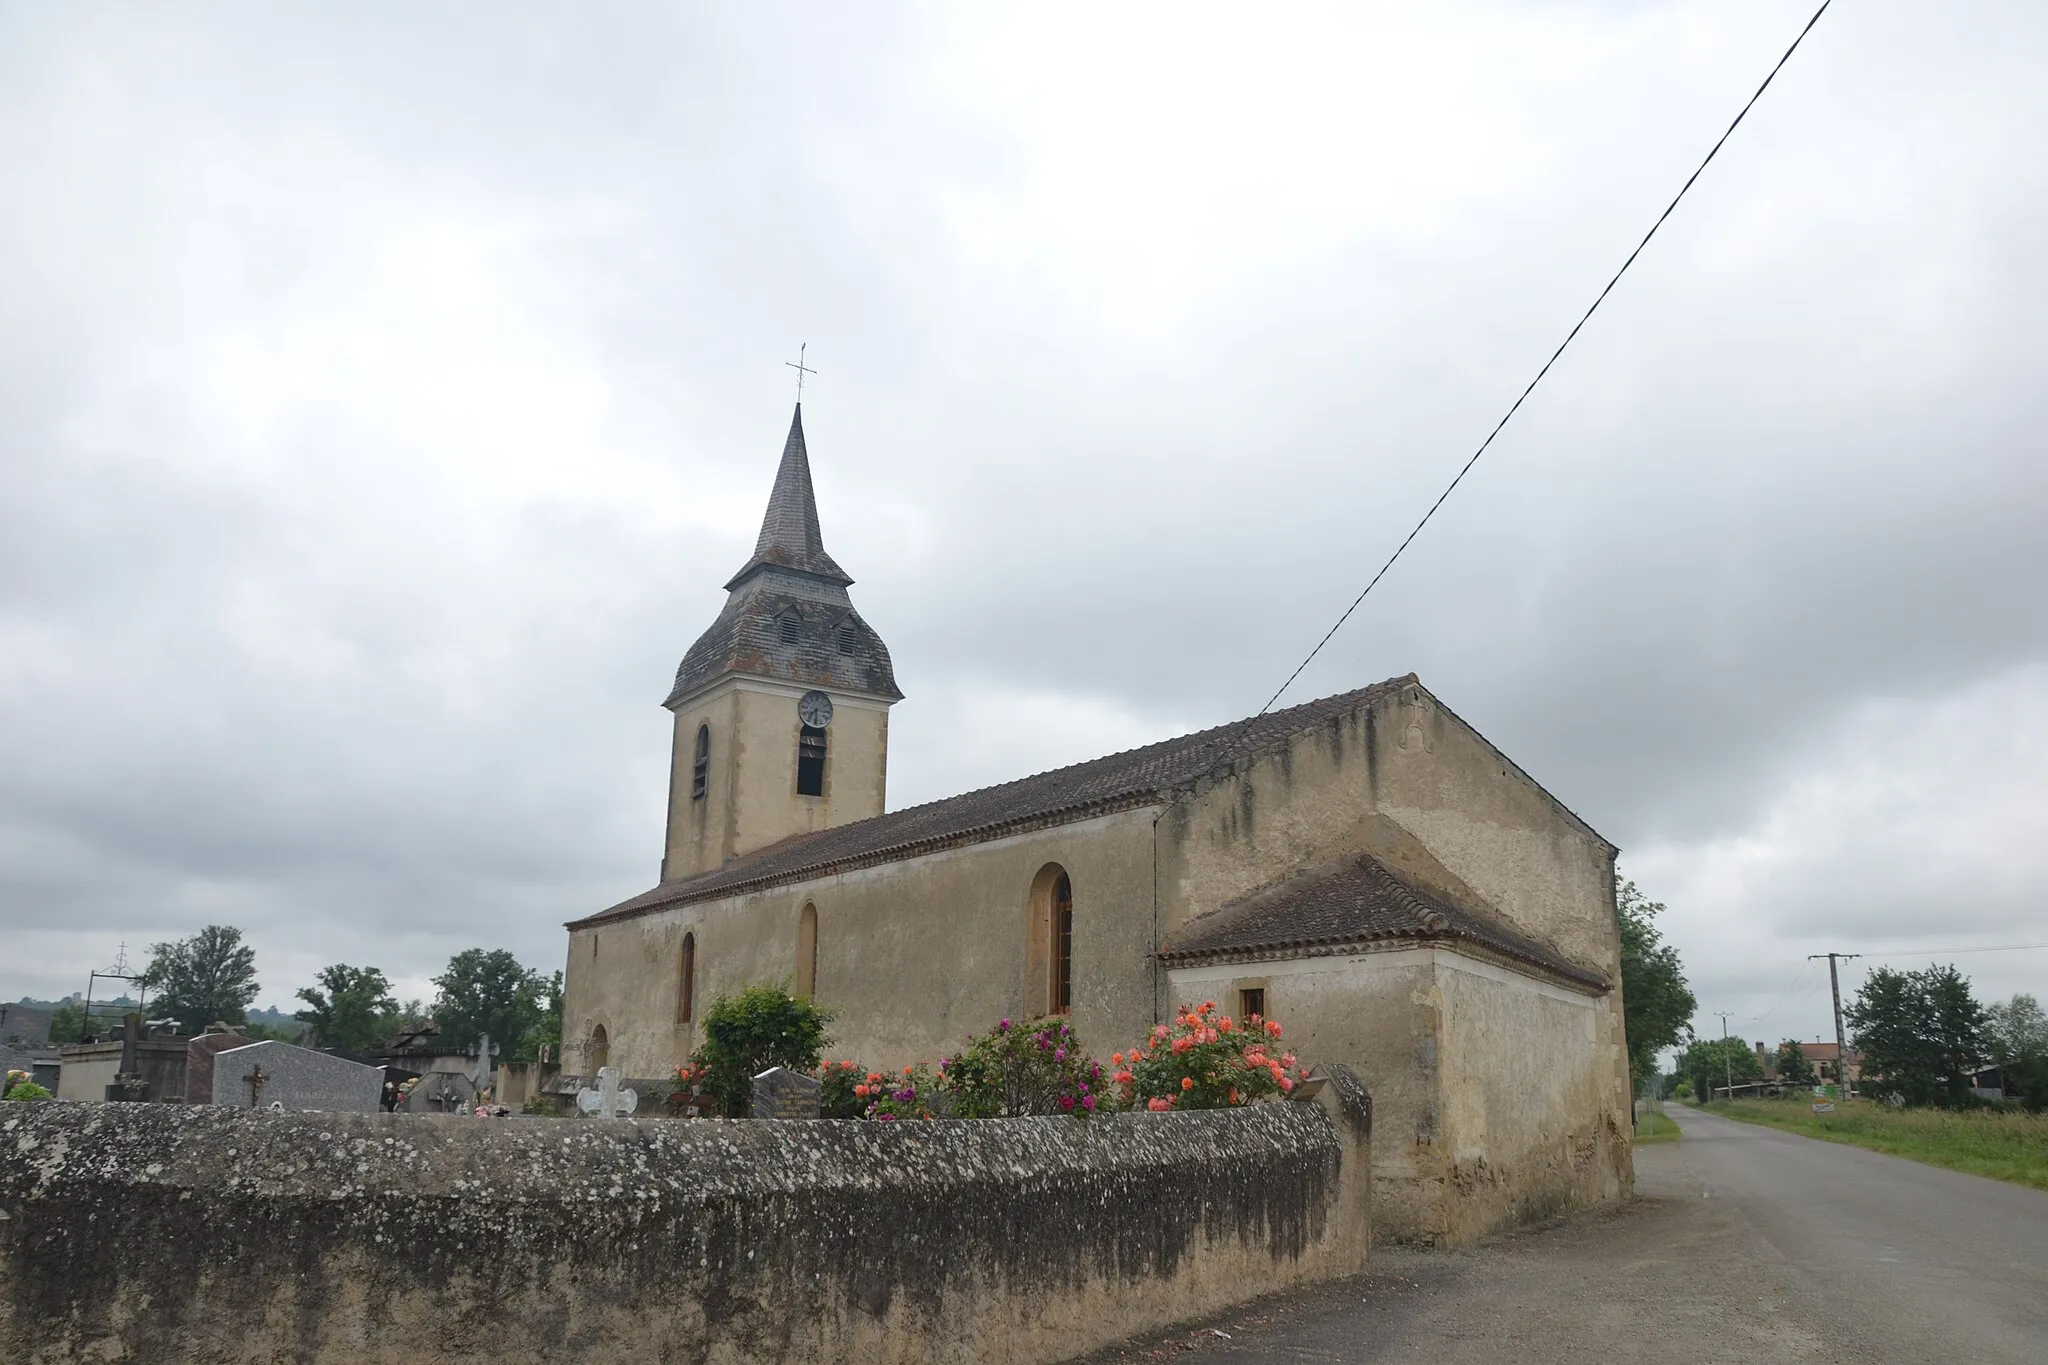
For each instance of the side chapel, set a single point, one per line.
(1366, 868)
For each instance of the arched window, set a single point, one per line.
(686, 980)
(1062, 946)
(807, 952)
(600, 1049)
(1052, 938)
(700, 765)
(810, 762)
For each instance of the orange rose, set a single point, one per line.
(1187, 1082)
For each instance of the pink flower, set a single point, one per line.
(1067, 1102)
(1087, 1101)
(1159, 1106)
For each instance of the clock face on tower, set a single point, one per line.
(815, 710)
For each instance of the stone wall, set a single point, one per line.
(159, 1233)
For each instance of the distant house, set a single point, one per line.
(1826, 1059)
(1991, 1083)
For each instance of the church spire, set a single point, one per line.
(790, 536)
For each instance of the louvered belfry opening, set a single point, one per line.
(700, 765)
(810, 762)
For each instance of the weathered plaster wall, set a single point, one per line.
(914, 957)
(158, 1233)
(751, 799)
(1490, 1092)
(89, 1068)
(1528, 1127)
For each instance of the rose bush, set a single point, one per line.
(911, 1095)
(1017, 1069)
(1206, 1060)
(841, 1081)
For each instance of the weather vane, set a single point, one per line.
(801, 369)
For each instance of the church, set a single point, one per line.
(1365, 868)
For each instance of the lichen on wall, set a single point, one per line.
(167, 1233)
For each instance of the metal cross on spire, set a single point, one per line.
(801, 369)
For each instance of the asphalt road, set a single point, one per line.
(1747, 1244)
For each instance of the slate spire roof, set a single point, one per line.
(787, 615)
(789, 530)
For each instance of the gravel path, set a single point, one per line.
(1747, 1244)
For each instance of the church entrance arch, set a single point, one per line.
(1051, 958)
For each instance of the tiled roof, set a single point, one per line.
(1346, 906)
(1136, 777)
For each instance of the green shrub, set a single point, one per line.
(745, 1034)
(1019, 1069)
(28, 1090)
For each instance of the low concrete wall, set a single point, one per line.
(159, 1233)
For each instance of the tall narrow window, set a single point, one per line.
(1251, 1003)
(810, 762)
(1062, 946)
(700, 764)
(600, 1050)
(807, 952)
(686, 980)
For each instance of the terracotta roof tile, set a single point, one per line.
(1136, 777)
(1347, 905)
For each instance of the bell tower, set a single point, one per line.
(782, 706)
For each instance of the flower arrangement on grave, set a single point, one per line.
(1036, 1067)
(912, 1095)
(838, 1098)
(1206, 1060)
(20, 1087)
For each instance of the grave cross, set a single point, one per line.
(254, 1080)
(608, 1101)
(486, 1050)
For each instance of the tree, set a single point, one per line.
(1793, 1068)
(351, 1009)
(488, 992)
(1921, 1035)
(67, 1024)
(1710, 1063)
(745, 1034)
(548, 1033)
(1657, 1004)
(2016, 1035)
(198, 980)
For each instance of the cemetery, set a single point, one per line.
(248, 1230)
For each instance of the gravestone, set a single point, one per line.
(199, 1056)
(259, 1075)
(608, 1101)
(780, 1093)
(486, 1064)
(441, 1092)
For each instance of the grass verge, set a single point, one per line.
(1652, 1126)
(2000, 1143)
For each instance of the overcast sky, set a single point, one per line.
(386, 393)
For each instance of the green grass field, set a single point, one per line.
(1654, 1127)
(1999, 1143)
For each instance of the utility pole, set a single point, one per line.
(1727, 1059)
(1841, 1039)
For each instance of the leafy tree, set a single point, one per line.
(745, 1034)
(351, 1009)
(1921, 1035)
(2016, 1033)
(1710, 1063)
(548, 1033)
(209, 976)
(489, 992)
(1657, 1004)
(1793, 1068)
(67, 1024)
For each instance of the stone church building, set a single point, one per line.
(1366, 868)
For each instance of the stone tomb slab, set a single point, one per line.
(780, 1093)
(262, 1074)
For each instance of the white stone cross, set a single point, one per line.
(485, 1074)
(608, 1101)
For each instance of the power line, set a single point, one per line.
(1944, 952)
(1516, 406)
